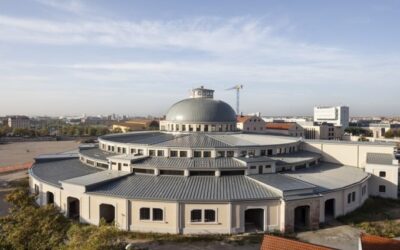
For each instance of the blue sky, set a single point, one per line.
(138, 57)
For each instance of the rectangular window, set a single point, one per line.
(205, 128)
(197, 154)
(133, 150)
(171, 172)
(152, 152)
(173, 153)
(349, 198)
(140, 151)
(364, 190)
(36, 189)
(124, 150)
(382, 174)
(160, 152)
(267, 166)
(382, 189)
(230, 153)
(243, 153)
(158, 214)
(220, 153)
(183, 127)
(209, 215)
(253, 167)
(353, 196)
(143, 171)
(145, 213)
(182, 153)
(263, 152)
(195, 215)
(202, 173)
(207, 154)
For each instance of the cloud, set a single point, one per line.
(72, 6)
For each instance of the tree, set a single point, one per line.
(117, 130)
(29, 227)
(93, 238)
(389, 134)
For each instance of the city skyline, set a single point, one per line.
(74, 57)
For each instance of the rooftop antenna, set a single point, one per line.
(237, 87)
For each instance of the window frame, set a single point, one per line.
(149, 213)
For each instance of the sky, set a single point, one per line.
(72, 57)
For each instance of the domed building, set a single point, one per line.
(199, 175)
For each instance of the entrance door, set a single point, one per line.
(329, 209)
(254, 220)
(302, 218)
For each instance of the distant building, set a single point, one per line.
(322, 131)
(284, 128)
(19, 121)
(136, 125)
(250, 123)
(379, 129)
(338, 116)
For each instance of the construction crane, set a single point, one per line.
(237, 88)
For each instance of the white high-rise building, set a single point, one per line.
(338, 116)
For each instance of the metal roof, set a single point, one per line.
(281, 182)
(328, 176)
(96, 153)
(201, 110)
(195, 140)
(53, 172)
(146, 138)
(189, 163)
(380, 159)
(295, 157)
(96, 178)
(242, 139)
(193, 188)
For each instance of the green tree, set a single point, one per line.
(117, 130)
(87, 237)
(29, 227)
(389, 134)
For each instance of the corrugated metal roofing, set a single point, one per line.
(97, 177)
(381, 159)
(146, 138)
(96, 153)
(54, 171)
(195, 140)
(189, 163)
(329, 176)
(193, 188)
(281, 182)
(240, 139)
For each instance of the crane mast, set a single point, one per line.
(237, 88)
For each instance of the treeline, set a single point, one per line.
(65, 130)
(358, 131)
(75, 130)
(392, 133)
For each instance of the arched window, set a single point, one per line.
(209, 215)
(158, 214)
(195, 215)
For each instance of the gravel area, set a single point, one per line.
(22, 152)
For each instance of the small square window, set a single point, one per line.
(382, 189)
(173, 153)
(160, 152)
(182, 153)
(195, 215)
(382, 174)
(209, 215)
(157, 214)
(207, 154)
(197, 154)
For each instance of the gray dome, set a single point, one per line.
(201, 110)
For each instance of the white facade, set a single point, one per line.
(384, 180)
(338, 116)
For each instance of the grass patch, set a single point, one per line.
(377, 216)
